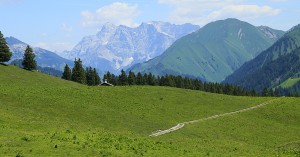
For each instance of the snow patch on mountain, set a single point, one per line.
(240, 33)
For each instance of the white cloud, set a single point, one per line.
(244, 12)
(203, 11)
(116, 13)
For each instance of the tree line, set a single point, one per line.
(175, 81)
(88, 76)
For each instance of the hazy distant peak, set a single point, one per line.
(12, 41)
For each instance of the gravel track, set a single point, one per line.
(181, 125)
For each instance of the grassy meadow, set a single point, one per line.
(41, 115)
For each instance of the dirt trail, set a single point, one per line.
(181, 125)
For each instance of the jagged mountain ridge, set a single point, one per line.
(213, 52)
(43, 57)
(118, 47)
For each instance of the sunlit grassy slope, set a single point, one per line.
(289, 82)
(42, 115)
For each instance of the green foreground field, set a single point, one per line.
(42, 115)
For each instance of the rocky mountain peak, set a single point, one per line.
(269, 32)
(117, 47)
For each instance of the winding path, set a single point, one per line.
(181, 125)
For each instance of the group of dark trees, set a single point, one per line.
(28, 62)
(78, 74)
(174, 81)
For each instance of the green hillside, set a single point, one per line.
(213, 52)
(289, 82)
(275, 65)
(42, 115)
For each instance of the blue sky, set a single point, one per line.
(58, 25)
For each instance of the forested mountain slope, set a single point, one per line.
(273, 66)
(213, 52)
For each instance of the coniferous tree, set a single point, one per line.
(67, 74)
(28, 59)
(162, 81)
(123, 80)
(131, 78)
(114, 79)
(107, 77)
(139, 79)
(179, 82)
(265, 92)
(78, 72)
(5, 53)
(187, 83)
(145, 79)
(90, 78)
(97, 77)
(169, 81)
(151, 79)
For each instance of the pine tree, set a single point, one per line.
(123, 80)
(170, 81)
(107, 77)
(139, 79)
(265, 92)
(90, 78)
(28, 59)
(179, 82)
(97, 77)
(145, 79)
(162, 81)
(114, 79)
(67, 74)
(151, 79)
(5, 54)
(78, 72)
(131, 78)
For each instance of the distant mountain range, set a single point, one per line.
(45, 70)
(118, 47)
(213, 52)
(272, 67)
(43, 57)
